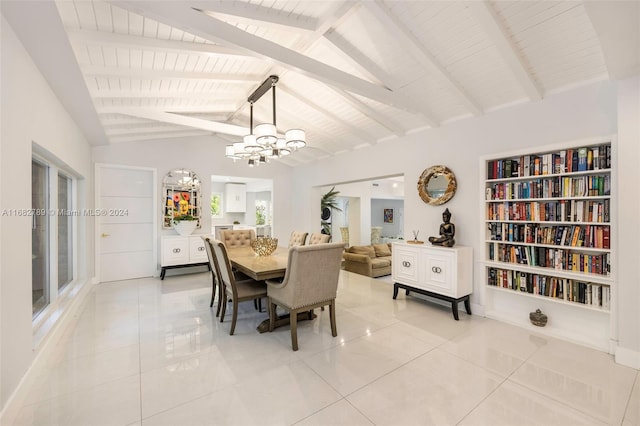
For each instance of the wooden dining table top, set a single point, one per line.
(257, 267)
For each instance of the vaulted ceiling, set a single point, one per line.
(352, 73)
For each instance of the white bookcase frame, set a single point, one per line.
(583, 324)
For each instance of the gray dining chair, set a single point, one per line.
(234, 290)
(311, 281)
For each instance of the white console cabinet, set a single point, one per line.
(445, 273)
(182, 251)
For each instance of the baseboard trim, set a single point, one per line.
(65, 314)
(628, 357)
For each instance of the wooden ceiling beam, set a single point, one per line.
(413, 46)
(499, 35)
(152, 74)
(252, 12)
(81, 36)
(196, 123)
(181, 15)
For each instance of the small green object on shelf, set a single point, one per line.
(538, 318)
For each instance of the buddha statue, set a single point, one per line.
(447, 232)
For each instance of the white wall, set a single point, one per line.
(205, 156)
(30, 113)
(629, 229)
(582, 113)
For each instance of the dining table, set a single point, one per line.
(261, 268)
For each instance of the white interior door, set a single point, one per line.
(125, 222)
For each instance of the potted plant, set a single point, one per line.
(328, 203)
(185, 224)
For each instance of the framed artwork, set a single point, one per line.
(388, 215)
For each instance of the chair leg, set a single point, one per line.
(293, 319)
(223, 302)
(221, 298)
(332, 316)
(213, 290)
(234, 317)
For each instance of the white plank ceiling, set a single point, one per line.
(352, 73)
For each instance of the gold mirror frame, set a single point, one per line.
(432, 198)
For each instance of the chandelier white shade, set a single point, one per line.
(263, 142)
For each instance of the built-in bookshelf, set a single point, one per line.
(548, 230)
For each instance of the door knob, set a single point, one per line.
(104, 234)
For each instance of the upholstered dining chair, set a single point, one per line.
(316, 238)
(214, 280)
(235, 290)
(311, 281)
(236, 238)
(298, 238)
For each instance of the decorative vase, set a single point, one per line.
(185, 227)
(264, 246)
(537, 318)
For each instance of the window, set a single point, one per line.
(261, 212)
(52, 237)
(216, 204)
(40, 294)
(65, 231)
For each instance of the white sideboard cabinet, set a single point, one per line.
(182, 251)
(445, 273)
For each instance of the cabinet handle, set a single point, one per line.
(406, 264)
(200, 248)
(436, 269)
(176, 250)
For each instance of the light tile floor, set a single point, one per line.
(151, 352)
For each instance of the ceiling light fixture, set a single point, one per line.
(264, 143)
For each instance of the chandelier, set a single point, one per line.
(263, 142)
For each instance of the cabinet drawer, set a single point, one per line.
(405, 266)
(175, 251)
(197, 251)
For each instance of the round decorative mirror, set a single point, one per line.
(181, 199)
(437, 185)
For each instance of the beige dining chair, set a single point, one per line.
(298, 238)
(214, 280)
(236, 238)
(317, 238)
(311, 281)
(234, 290)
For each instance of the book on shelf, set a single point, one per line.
(582, 159)
(566, 289)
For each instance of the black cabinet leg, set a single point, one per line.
(162, 273)
(407, 291)
(395, 291)
(467, 305)
(454, 309)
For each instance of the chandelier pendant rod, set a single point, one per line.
(273, 95)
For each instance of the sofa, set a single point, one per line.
(372, 260)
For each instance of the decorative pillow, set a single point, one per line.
(368, 250)
(382, 250)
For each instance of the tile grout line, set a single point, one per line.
(626, 406)
(139, 353)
